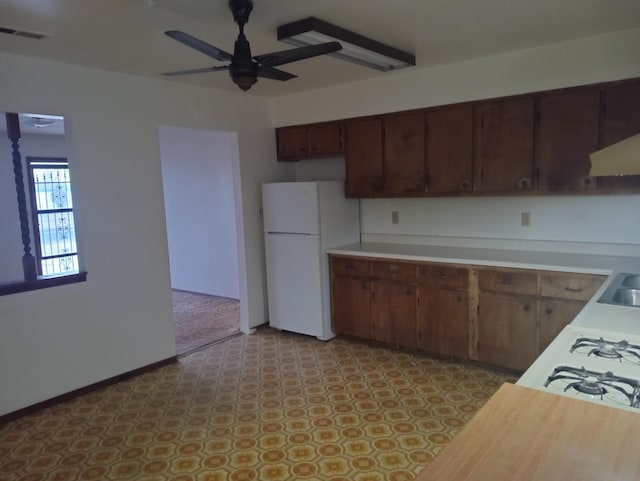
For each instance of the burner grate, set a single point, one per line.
(620, 350)
(597, 384)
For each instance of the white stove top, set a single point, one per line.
(589, 364)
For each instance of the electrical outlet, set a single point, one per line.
(395, 217)
(525, 219)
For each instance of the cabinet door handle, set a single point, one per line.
(524, 183)
(588, 181)
(526, 307)
(505, 282)
(465, 184)
(548, 310)
(573, 289)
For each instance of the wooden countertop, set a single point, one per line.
(523, 434)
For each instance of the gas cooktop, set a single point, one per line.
(592, 365)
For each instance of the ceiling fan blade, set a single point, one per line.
(196, 70)
(199, 45)
(293, 55)
(274, 73)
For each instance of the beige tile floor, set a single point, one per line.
(267, 406)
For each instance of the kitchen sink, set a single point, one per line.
(623, 291)
(632, 280)
(627, 297)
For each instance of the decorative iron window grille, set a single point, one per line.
(53, 220)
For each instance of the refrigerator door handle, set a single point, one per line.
(290, 233)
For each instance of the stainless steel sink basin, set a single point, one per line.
(632, 280)
(623, 291)
(627, 297)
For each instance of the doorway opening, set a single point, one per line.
(200, 182)
(202, 319)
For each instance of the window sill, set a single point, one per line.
(42, 283)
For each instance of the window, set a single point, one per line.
(35, 190)
(52, 214)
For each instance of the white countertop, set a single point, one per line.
(552, 261)
(595, 315)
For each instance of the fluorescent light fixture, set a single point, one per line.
(622, 158)
(355, 48)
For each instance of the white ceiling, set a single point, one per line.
(127, 35)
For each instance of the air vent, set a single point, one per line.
(21, 33)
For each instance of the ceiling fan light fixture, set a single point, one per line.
(355, 47)
(245, 82)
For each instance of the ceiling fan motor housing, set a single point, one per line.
(243, 70)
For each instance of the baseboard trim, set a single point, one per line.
(84, 390)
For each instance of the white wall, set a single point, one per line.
(588, 224)
(198, 180)
(59, 339)
(592, 224)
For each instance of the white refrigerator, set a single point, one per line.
(301, 221)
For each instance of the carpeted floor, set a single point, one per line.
(267, 406)
(201, 319)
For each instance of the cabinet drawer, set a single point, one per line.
(343, 266)
(395, 271)
(443, 275)
(580, 288)
(508, 281)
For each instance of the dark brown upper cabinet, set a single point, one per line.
(620, 118)
(363, 158)
(503, 145)
(537, 143)
(566, 134)
(403, 158)
(309, 141)
(449, 147)
(292, 143)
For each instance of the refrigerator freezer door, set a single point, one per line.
(294, 283)
(291, 207)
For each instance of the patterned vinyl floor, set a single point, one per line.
(267, 406)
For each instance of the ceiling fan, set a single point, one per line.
(245, 69)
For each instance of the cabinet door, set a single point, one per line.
(325, 139)
(555, 314)
(567, 133)
(404, 154)
(507, 330)
(363, 158)
(443, 326)
(292, 143)
(503, 145)
(449, 150)
(393, 309)
(351, 304)
(620, 118)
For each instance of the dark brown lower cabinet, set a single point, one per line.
(554, 315)
(504, 317)
(443, 326)
(352, 307)
(393, 309)
(507, 330)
